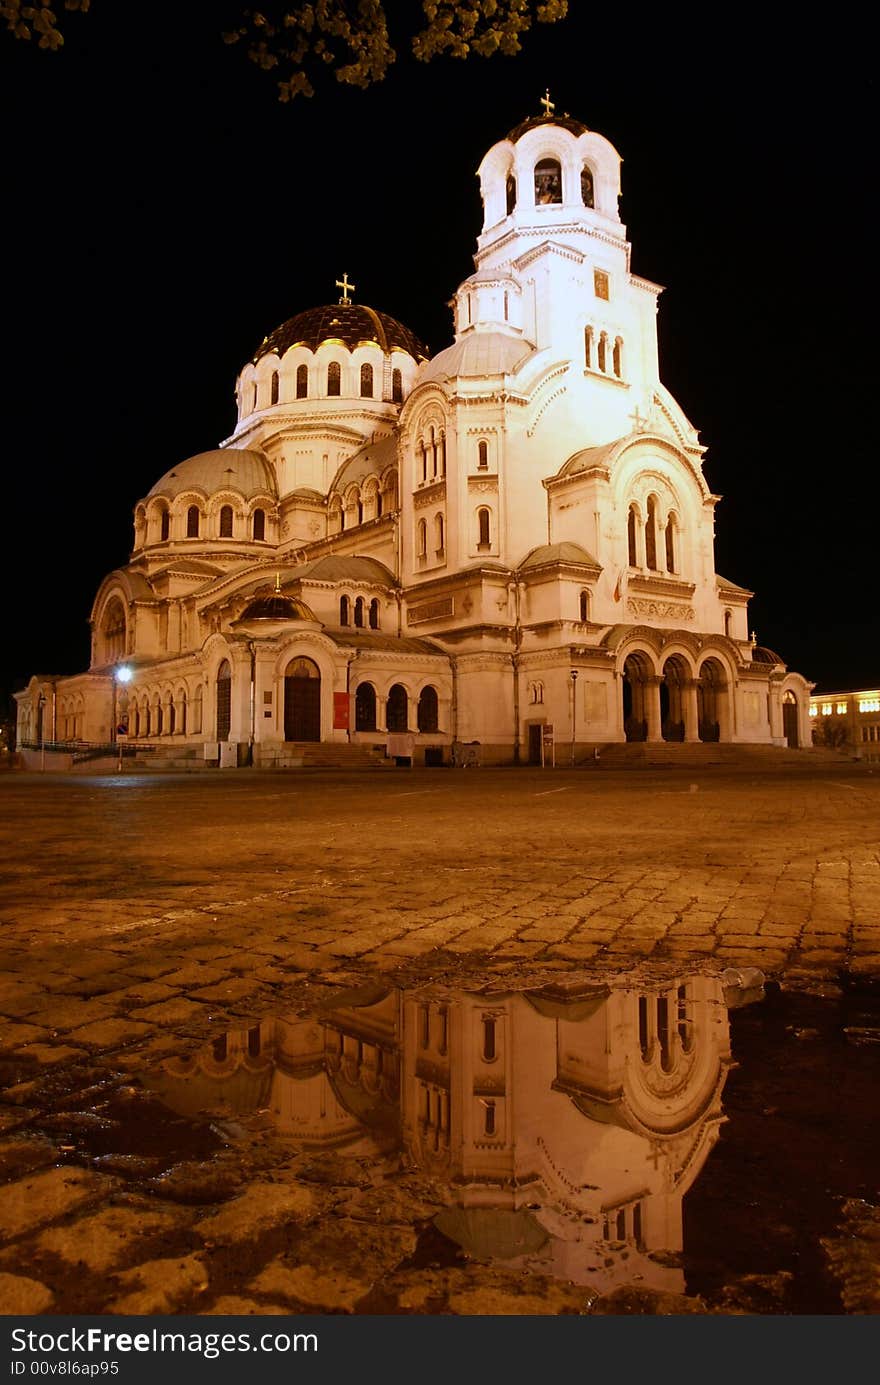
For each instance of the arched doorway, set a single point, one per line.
(790, 719)
(672, 715)
(636, 672)
(302, 701)
(224, 701)
(365, 707)
(397, 709)
(711, 692)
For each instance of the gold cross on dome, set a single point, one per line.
(346, 287)
(549, 106)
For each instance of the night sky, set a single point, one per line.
(164, 212)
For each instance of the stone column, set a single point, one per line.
(691, 709)
(652, 708)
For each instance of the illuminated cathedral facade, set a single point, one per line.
(509, 543)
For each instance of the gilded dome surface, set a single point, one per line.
(350, 323)
(566, 122)
(223, 468)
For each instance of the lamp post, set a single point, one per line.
(574, 677)
(41, 704)
(121, 674)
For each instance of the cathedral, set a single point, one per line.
(508, 545)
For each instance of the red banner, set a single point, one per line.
(341, 711)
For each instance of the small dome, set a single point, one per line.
(564, 122)
(762, 655)
(276, 606)
(477, 354)
(371, 460)
(224, 468)
(350, 323)
(566, 552)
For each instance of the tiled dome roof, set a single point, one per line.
(564, 121)
(224, 468)
(350, 323)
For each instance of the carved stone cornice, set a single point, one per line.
(658, 610)
(656, 585)
(429, 494)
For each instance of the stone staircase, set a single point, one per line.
(704, 754)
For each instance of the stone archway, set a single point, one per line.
(673, 685)
(302, 700)
(636, 682)
(712, 693)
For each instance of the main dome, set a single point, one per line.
(350, 323)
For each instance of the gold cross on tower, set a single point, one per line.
(549, 106)
(346, 287)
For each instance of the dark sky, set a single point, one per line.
(164, 212)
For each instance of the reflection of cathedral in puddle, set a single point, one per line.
(565, 1124)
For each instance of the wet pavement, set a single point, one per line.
(440, 1043)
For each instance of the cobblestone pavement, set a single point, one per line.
(142, 914)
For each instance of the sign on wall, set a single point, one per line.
(341, 711)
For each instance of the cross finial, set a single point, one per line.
(346, 287)
(549, 106)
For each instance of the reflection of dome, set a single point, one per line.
(350, 323)
(224, 468)
(277, 606)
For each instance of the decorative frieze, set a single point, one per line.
(658, 610)
(438, 609)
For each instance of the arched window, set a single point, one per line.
(617, 357)
(343, 610)
(671, 525)
(259, 524)
(396, 387)
(490, 1050)
(603, 352)
(588, 347)
(334, 378)
(651, 535)
(197, 710)
(728, 620)
(631, 537)
(422, 547)
(366, 382)
(273, 394)
(226, 522)
(483, 456)
(374, 613)
(224, 700)
(439, 535)
(192, 522)
(159, 723)
(365, 707)
(433, 453)
(423, 460)
(511, 193)
(428, 712)
(584, 605)
(442, 449)
(165, 526)
(587, 191)
(359, 612)
(172, 715)
(255, 397)
(396, 709)
(483, 528)
(302, 382)
(548, 182)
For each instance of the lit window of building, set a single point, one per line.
(841, 709)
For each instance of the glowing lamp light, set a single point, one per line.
(124, 674)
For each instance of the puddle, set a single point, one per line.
(615, 1144)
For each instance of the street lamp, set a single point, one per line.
(121, 674)
(574, 677)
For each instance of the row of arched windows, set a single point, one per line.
(357, 612)
(431, 456)
(225, 519)
(169, 714)
(359, 506)
(548, 185)
(603, 353)
(396, 709)
(648, 535)
(333, 384)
